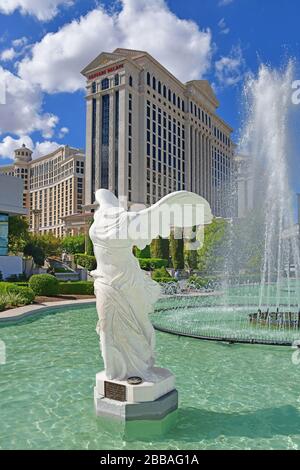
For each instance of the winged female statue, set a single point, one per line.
(126, 294)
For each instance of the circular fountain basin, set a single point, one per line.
(225, 318)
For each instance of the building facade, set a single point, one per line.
(11, 204)
(148, 134)
(53, 186)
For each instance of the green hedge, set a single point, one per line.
(76, 288)
(44, 284)
(87, 261)
(152, 263)
(26, 294)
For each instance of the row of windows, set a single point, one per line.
(200, 114)
(165, 92)
(221, 136)
(166, 141)
(206, 119)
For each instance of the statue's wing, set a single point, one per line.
(179, 209)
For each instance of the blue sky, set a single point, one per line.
(42, 51)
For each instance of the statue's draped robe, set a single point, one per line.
(125, 294)
(125, 297)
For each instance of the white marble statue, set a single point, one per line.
(126, 294)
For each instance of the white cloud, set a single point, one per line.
(9, 145)
(20, 42)
(22, 112)
(55, 62)
(43, 10)
(223, 27)
(8, 54)
(229, 70)
(224, 3)
(63, 132)
(43, 148)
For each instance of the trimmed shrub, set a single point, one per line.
(86, 261)
(4, 286)
(161, 275)
(44, 284)
(26, 293)
(22, 295)
(152, 263)
(76, 288)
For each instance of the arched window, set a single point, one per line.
(154, 83)
(130, 81)
(159, 87)
(148, 79)
(169, 95)
(117, 80)
(164, 91)
(182, 105)
(174, 99)
(104, 84)
(178, 102)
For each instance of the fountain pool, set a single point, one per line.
(233, 315)
(231, 396)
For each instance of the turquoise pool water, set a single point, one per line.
(231, 397)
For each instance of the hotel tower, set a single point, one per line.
(148, 134)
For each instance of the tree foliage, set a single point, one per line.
(74, 244)
(177, 249)
(160, 248)
(191, 256)
(36, 252)
(144, 254)
(18, 233)
(89, 243)
(211, 256)
(50, 244)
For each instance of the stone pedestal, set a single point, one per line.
(148, 401)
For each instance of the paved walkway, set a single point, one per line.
(29, 310)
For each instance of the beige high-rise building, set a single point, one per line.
(148, 134)
(53, 186)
